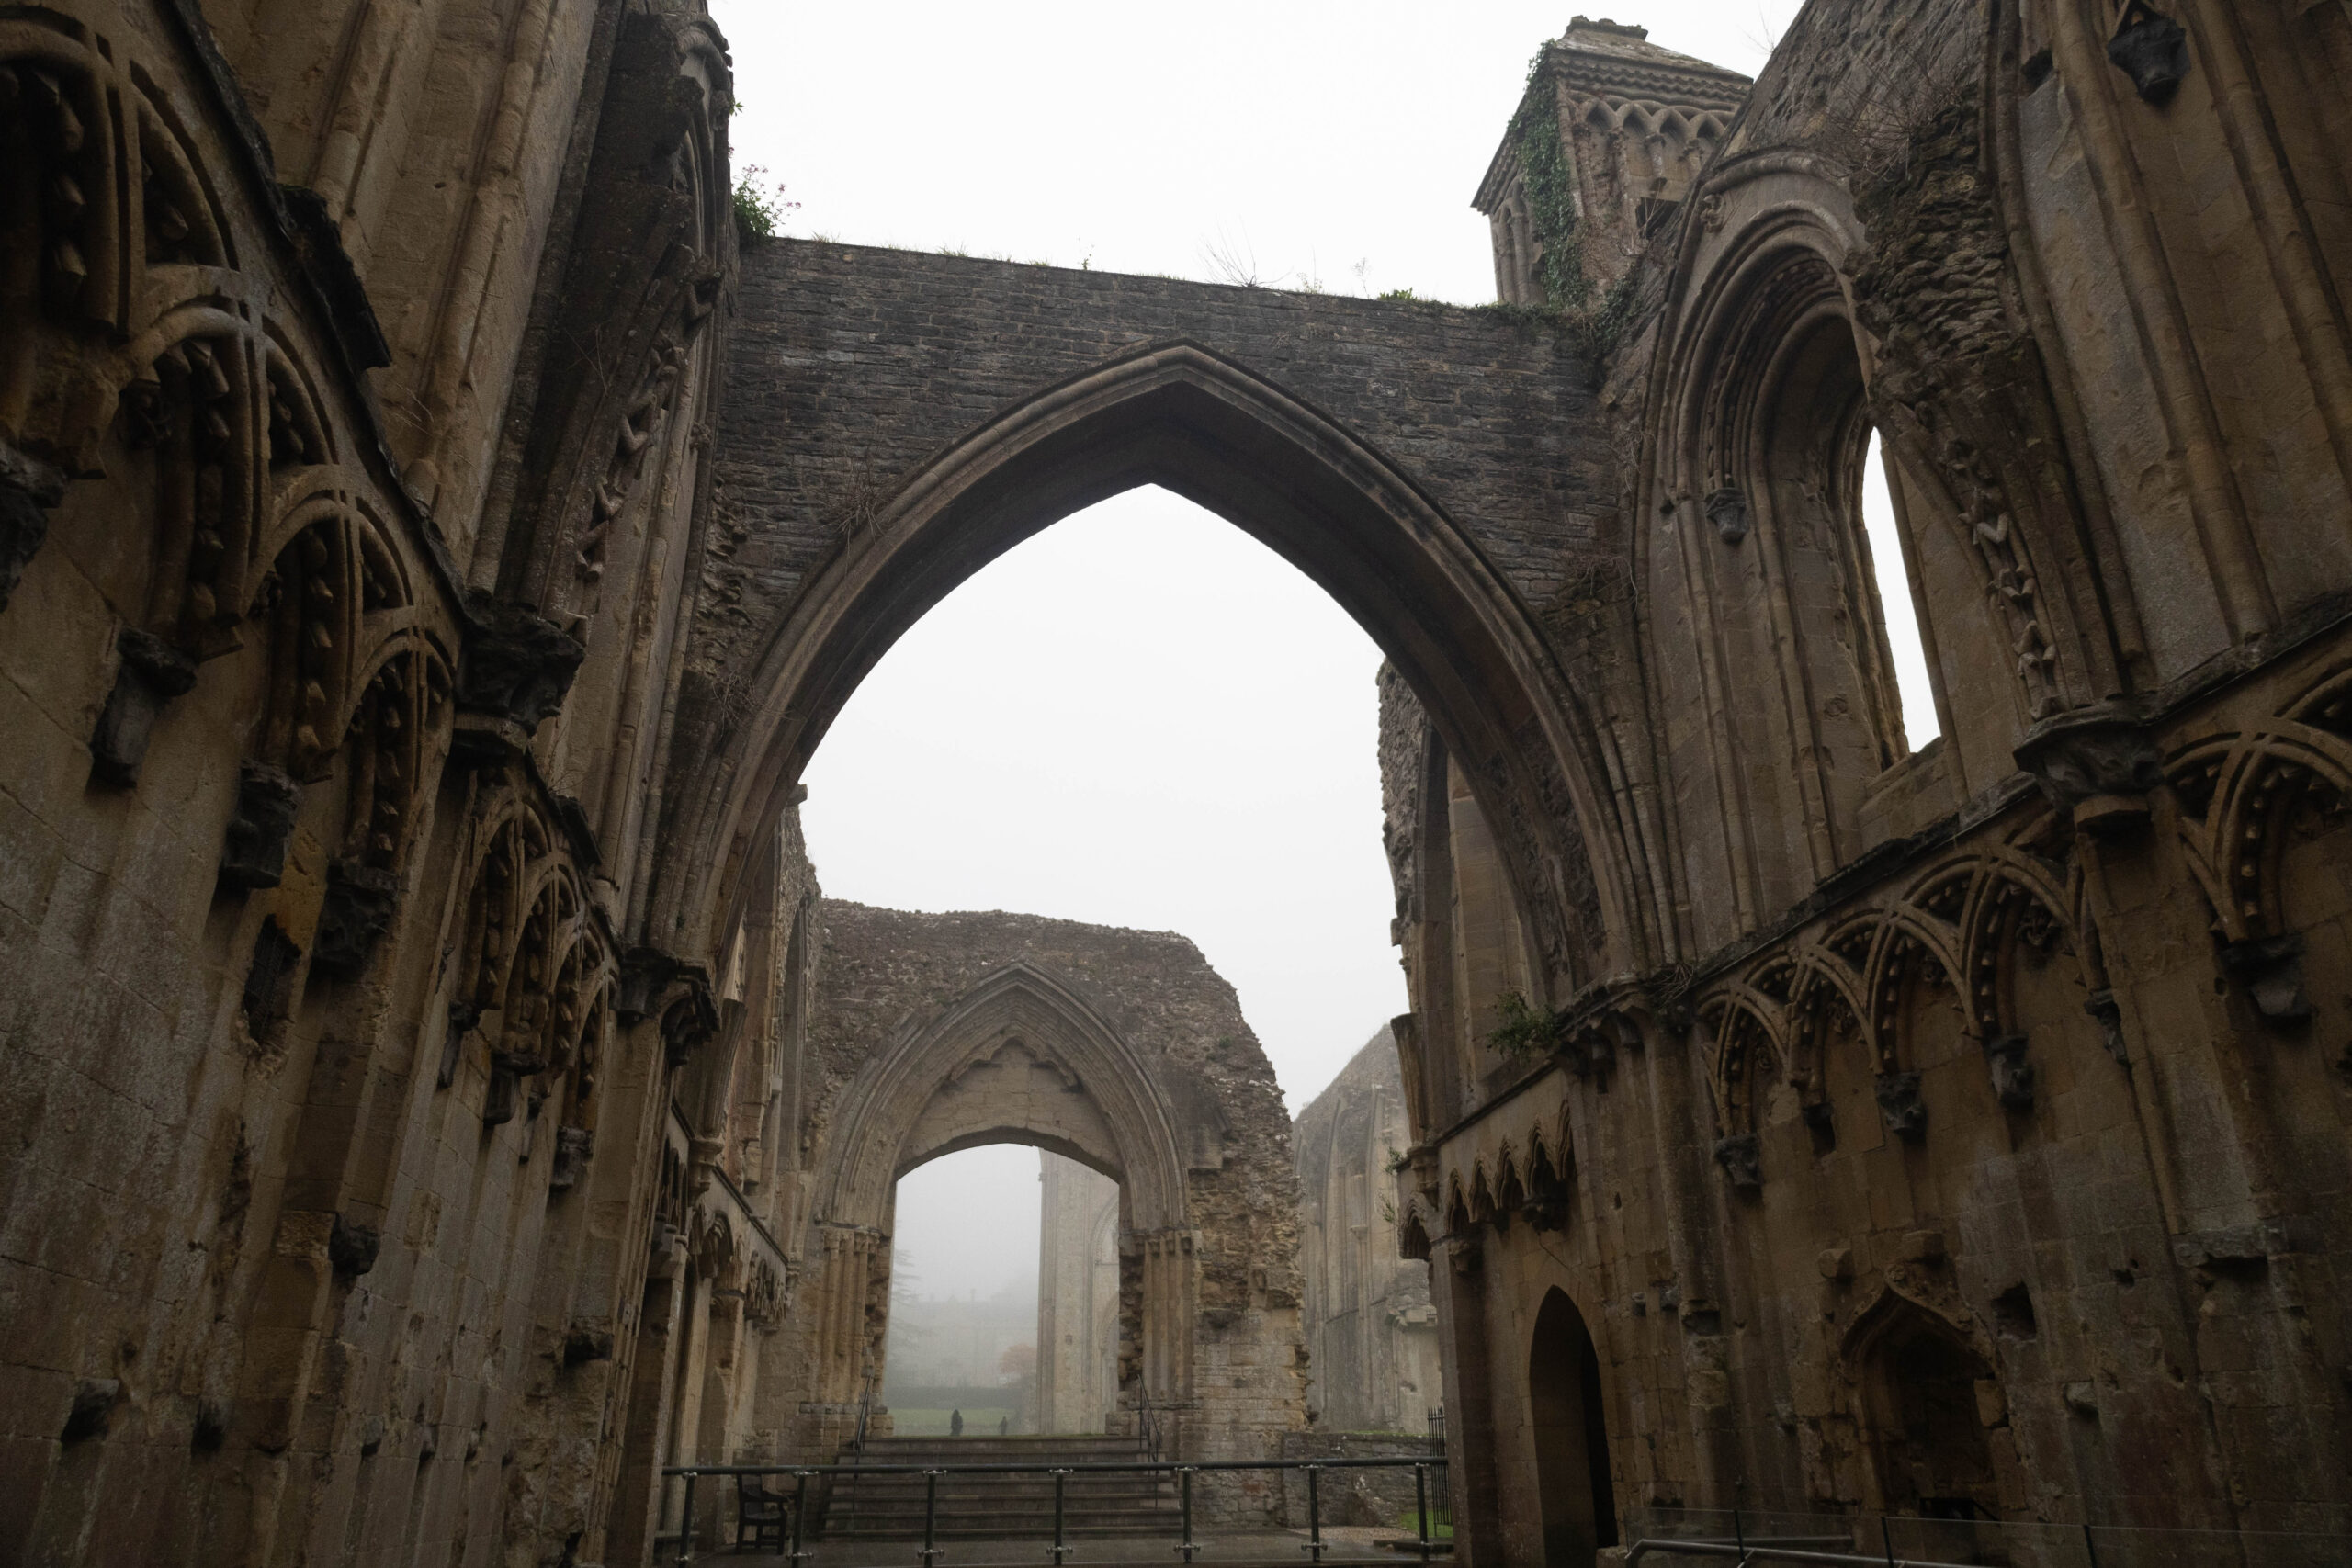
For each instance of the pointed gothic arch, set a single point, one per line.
(1021, 1057)
(1178, 415)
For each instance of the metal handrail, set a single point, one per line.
(930, 1552)
(1767, 1552)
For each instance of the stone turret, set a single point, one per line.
(1636, 123)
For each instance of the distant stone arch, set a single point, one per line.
(1019, 1058)
(1029, 1053)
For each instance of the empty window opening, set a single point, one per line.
(1897, 608)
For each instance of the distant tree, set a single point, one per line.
(1018, 1364)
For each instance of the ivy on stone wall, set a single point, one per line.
(1594, 327)
(1550, 183)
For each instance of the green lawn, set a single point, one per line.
(1441, 1524)
(979, 1420)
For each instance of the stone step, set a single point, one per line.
(891, 1506)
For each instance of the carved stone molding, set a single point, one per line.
(254, 854)
(318, 246)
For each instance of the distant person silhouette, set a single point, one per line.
(955, 1422)
(1004, 1426)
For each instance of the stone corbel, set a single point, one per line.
(352, 1246)
(29, 488)
(1405, 1030)
(2270, 971)
(703, 1157)
(1727, 509)
(507, 1071)
(666, 1252)
(691, 1018)
(1899, 1103)
(1742, 1157)
(254, 854)
(2103, 1006)
(2095, 767)
(359, 904)
(518, 665)
(584, 1342)
(646, 973)
(574, 1146)
(2153, 50)
(2012, 1074)
(151, 674)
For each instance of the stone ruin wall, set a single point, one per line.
(1078, 1301)
(1370, 1327)
(882, 973)
(387, 1052)
(2008, 1067)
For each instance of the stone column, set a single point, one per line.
(1457, 1278)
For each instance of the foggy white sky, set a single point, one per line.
(1142, 717)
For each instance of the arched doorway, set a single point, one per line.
(1568, 1422)
(1928, 1395)
(1020, 1058)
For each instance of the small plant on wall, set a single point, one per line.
(761, 209)
(1524, 1030)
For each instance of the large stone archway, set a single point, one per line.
(886, 437)
(1120, 1050)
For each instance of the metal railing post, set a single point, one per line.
(1421, 1505)
(1189, 1547)
(1739, 1537)
(1314, 1513)
(931, 1551)
(1059, 1551)
(800, 1553)
(1886, 1539)
(686, 1525)
(2090, 1547)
